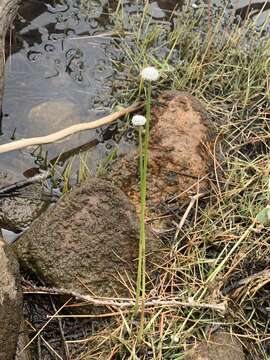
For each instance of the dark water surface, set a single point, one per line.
(61, 69)
(59, 72)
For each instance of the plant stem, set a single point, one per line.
(143, 200)
(139, 272)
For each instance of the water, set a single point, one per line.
(61, 69)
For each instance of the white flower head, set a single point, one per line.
(138, 120)
(150, 73)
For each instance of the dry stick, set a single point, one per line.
(65, 346)
(261, 275)
(61, 134)
(20, 184)
(221, 307)
(183, 219)
(46, 344)
(43, 327)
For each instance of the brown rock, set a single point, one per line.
(10, 303)
(221, 346)
(178, 158)
(90, 237)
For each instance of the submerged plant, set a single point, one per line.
(148, 75)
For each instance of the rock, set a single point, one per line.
(170, 4)
(10, 302)
(221, 345)
(17, 213)
(178, 155)
(53, 115)
(6, 178)
(23, 340)
(86, 241)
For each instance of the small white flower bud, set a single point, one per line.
(150, 73)
(138, 120)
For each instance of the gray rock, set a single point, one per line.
(87, 241)
(18, 212)
(52, 116)
(55, 115)
(23, 340)
(10, 303)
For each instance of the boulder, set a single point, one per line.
(10, 302)
(17, 212)
(23, 353)
(220, 345)
(88, 240)
(179, 160)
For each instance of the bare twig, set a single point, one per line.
(61, 134)
(65, 346)
(43, 327)
(20, 184)
(120, 303)
(261, 275)
(46, 344)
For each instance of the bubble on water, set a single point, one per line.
(33, 56)
(81, 65)
(49, 48)
(58, 8)
(130, 134)
(109, 145)
(112, 127)
(55, 37)
(79, 78)
(70, 32)
(117, 137)
(70, 53)
(93, 23)
(59, 18)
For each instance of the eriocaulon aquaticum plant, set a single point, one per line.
(148, 74)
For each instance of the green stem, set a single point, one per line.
(139, 272)
(143, 201)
